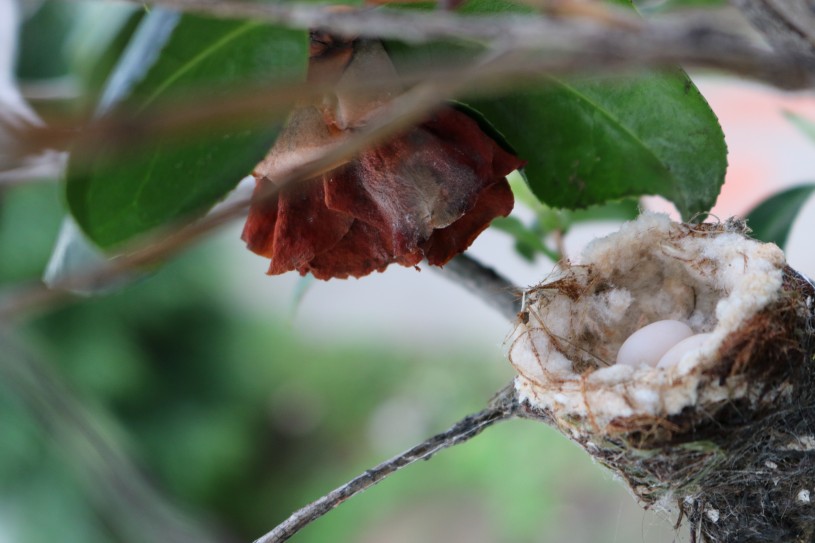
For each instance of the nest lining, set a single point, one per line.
(711, 278)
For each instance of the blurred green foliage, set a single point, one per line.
(241, 422)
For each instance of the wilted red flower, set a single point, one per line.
(427, 193)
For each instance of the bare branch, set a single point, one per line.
(502, 407)
(789, 25)
(485, 283)
(47, 166)
(562, 44)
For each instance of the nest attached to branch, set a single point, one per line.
(726, 437)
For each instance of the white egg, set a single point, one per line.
(647, 345)
(678, 351)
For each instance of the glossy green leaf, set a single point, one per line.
(528, 242)
(120, 194)
(592, 140)
(772, 219)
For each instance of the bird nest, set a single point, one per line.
(725, 436)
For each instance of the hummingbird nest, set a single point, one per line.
(723, 437)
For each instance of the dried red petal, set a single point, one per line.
(495, 200)
(427, 193)
(295, 226)
(359, 253)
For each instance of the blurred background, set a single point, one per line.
(208, 401)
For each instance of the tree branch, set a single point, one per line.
(710, 40)
(788, 25)
(503, 407)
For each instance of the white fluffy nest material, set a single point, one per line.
(710, 277)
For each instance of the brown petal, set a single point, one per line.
(304, 137)
(258, 231)
(406, 187)
(446, 243)
(403, 188)
(425, 180)
(360, 252)
(428, 192)
(295, 228)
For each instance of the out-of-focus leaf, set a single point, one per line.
(302, 287)
(73, 256)
(772, 219)
(26, 249)
(495, 6)
(620, 210)
(42, 40)
(121, 194)
(530, 239)
(806, 126)
(527, 242)
(101, 33)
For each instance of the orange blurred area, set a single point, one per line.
(767, 153)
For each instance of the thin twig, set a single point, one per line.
(530, 46)
(485, 283)
(503, 407)
(788, 25)
(711, 40)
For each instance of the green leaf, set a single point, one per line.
(485, 126)
(527, 242)
(530, 239)
(121, 194)
(806, 126)
(772, 219)
(620, 210)
(42, 39)
(591, 140)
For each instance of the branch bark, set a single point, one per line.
(503, 407)
(788, 25)
(711, 40)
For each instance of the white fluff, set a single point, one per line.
(651, 270)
